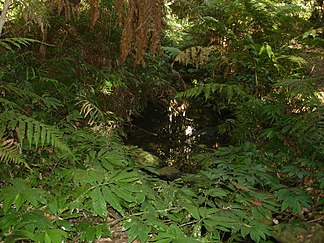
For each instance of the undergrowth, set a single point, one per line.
(67, 176)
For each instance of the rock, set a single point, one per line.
(146, 158)
(169, 173)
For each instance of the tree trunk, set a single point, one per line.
(3, 14)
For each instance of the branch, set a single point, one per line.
(3, 14)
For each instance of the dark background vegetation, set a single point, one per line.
(161, 121)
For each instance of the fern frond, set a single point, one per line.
(20, 92)
(226, 126)
(92, 111)
(171, 51)
(33, 131)
(299, 60)
(18, 42)
(10, 152)
(229, 91)
(36, 132)
(196, 55)
(48, 101)
(8, 104)
(298, 87)
(51, 102)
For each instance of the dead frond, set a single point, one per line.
(119, 5)
(196, 55)
(142, 29)
(94, 12)
(70, 8)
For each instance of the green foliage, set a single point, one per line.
(66, 174)
(20, 192)
(45, 99)
(294, 198)
(290, 126)
(9, 151)
(172, 52)
(31, 224)
(102, 182)
(229, 197)
(228, 91)
(17, 42)
(80, 171)
(32, 131)
(92, 112)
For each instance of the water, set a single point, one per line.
(180, 133)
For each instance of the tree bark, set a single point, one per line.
(3, 14)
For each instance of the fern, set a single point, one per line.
(48, 101)
(228, 90)
(18, 42)
(196, 55)
(298, 87)
(92, 111)
(171, 51)
(33, 131)
(8, 103)
(226, 126)
(9, 152)
(11, 88)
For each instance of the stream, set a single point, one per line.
(172, 133)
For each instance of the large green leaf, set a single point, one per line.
(122, 193)
(19, 193)
(125, 176)
(112, 199)
(116, 158)
(137, 229)
(99, 202)
(56, 235)
(194, 211)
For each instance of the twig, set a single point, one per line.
(188, 223)
(314, 220)
(113, 223)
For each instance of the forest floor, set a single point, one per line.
(310, 230)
